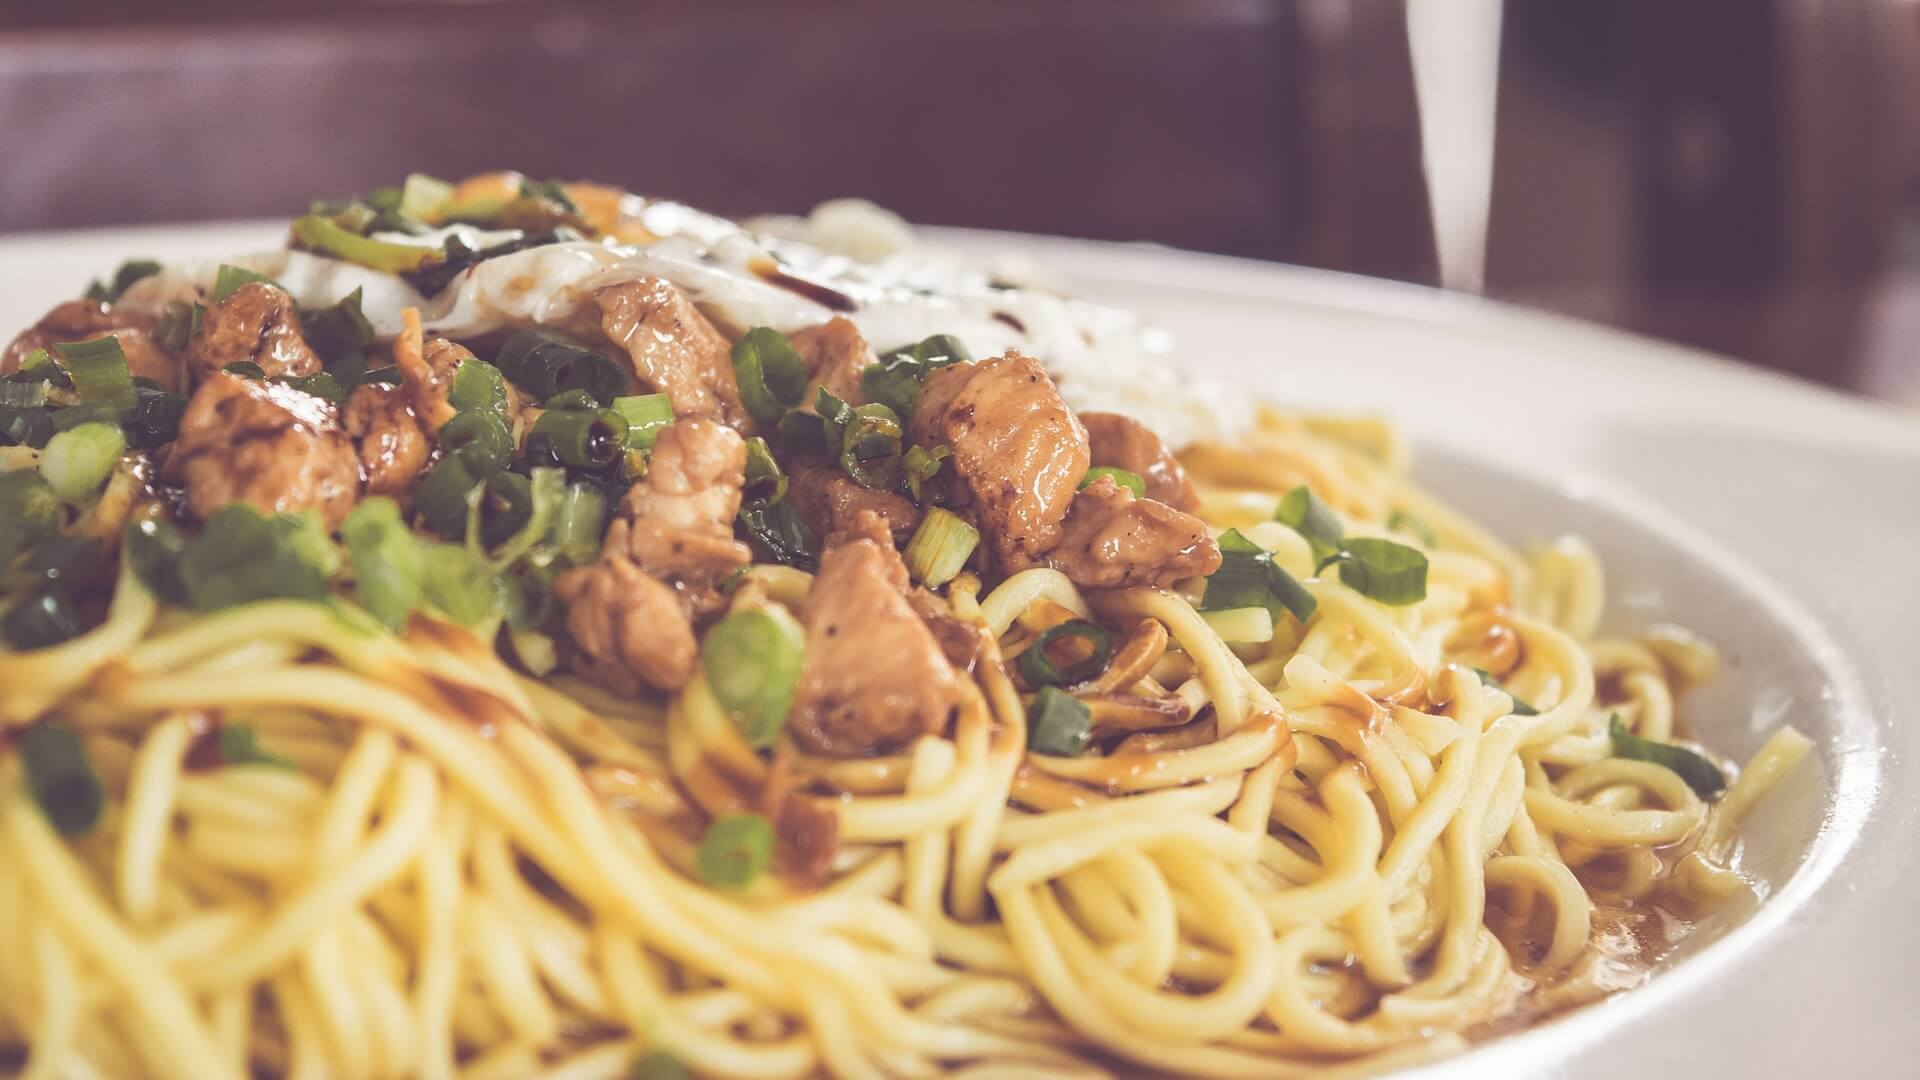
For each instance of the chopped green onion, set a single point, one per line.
(480, 439)
(28, 427)
(802, 433)
(339, 334)
(1248, 577)
(771, 376)
(230, 279)
(39, 364)
(921, 466)
(388, 567)
(542, 490)
(1521, 707)
(1241, 626)
(131, 271)
(735, 851)
(1402, 522)
(1303, 512)
(752, 660)
(1381, 570)
(242, 556)
(328, 238)
(441, 498)
(156, 416)
(478, 386)
(385, 375)
(154, 548)
(29, 512)
(765, 484)
(1129, 480)
(506, 507)
(895, 382)
(99, 372)
(657, 1065)
(781, 530)
(73, 563)
(23, 395)
(545, 364)
(423, 197)
(580, 522)
(1058, 724)
(43, 619)
(550, 191)
(307, 538)
(937, 351)
(1037, 664)
(174, 326)
(571, 399)
(320, 384)
(526, 595)
(582, 438)
(459, 584)
(456, 258)
(61, 775)
(78, 461)
(870, 447)
(1702, 775)
(940, 547)
(240, 745)
(646, 414)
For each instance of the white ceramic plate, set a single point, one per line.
(1780, 520)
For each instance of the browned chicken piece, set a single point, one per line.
(835, 355)
(629, 629)
(1113, 540)
(256, 324)
(875, 677)
(387, 435)
(1017, 449)
(1121, 442)
(829, 500)
(961, 641)
(682, 511)
(806, 833)
(83, 320)
(265, 444)
(674, 349)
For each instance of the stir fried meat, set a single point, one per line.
(830, 501)
(256, 324)
(392, 446)
(1017, 449)
(265, 444)
(630, 629)
(81, 320)
(835, 355)
(874, 677)
(1113, 540)
(1121, 442)
(674, 349)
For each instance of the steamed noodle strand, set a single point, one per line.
(1356, 855)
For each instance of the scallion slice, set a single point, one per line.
(506, 507)
(1402, 522)
(1381, 570)
(1248, 577)
(1303, 512)
(26, 394)
(45, 618)
(735, 851)
(581, 438)
(321, 234)
(1129, 480)
(29, 512)
(1037, 663)
(765, 483)
(921, 467)
(1241, 626)
(240, 745)
(441, 498)
(1058, 724)
(545, 364)
(154, 547)
(131, 271)
(28, 427)
(646, 414)
(771, 376)
(320, 384)
(580, 522)
(940, 547)
(752, 659)
(870, 447)
(780, 530)
(230, 279)
(1702, 775)
(480, 439)
(478, 386)
(242, 556)
(99, 372)
(459, 584)
(339, 333)
(657, 1065)
(424, 197)
(1521, 707)
(388, 568)
(78, 461)
(62, 778)
(156, 416)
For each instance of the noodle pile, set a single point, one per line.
(1359, 853)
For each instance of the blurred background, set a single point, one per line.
(1740, 175)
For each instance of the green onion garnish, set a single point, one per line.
(546, 364)
(240, 745)
(870, 447)
(480, 439)
(646, 414)
(28, 427)
(771, 376)
(154, 547)
(580, 522)
(71, 562)
(1702, 775)
(325, 236)
(174, 326)
(1381, 570)
(1037, 665)
(320, 384)
(131, 271)
(752, 660)
(1058, 724)
(765, 483)
(1402, 522)
(1303, 512)
(1521, 707)
(921, 466)
(781, 530)
(940, 547)
(339, 334)
(156, 416)
(657, 1065)
(46, 618)
(1241, 626)
(441, 497)
(459, 583)
(62, 778)
(478, 386)
(99, 372)
(1248, 577)
(1129, 480)
(23, 395)
(242, 556)
(423, 197)
(78, 461)
(895, 381)
(582, 438)
(388, 567)
(735, 851)
(550, 191)
(456, 258)
(506, 507)
(29, 512)
(230, 279)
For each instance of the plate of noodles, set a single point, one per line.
(509, 628)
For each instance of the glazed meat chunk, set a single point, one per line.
(83, 320)
(875, 677)
(256, 324)
(829, 501)
(1018, 451)
(674, 349)
(392, 446)
(1121, 442)
(265, 444)
(835, 355)
(629, 629)
(1113, 540)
